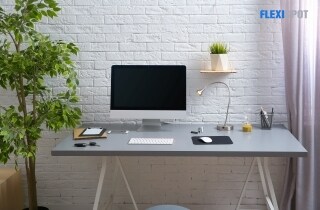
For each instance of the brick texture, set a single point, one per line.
(166, 32)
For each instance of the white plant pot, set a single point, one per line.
(219, 62)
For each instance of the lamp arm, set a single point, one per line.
(225, 122)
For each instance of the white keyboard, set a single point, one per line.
(151, 141)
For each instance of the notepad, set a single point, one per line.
(78, 131)
(92, 132)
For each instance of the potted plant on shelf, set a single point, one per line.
(219, 56)
(27, 59)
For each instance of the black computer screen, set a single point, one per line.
(148, 87)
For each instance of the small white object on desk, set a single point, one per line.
(118, 131)
(206, 139)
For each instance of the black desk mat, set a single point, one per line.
(215, 140)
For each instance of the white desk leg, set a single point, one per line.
(114, 183)
(266, 181)
(270, 185)
(267, 184)
(262, 177)
(100, 183)
(101, 179)
(245, 184)
(127, 183)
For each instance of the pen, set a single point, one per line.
(264, 116)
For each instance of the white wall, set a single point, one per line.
(166, 32)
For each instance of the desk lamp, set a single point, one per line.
(220, 127)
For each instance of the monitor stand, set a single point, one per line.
(149, 125)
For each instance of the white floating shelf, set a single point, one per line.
(229, 71)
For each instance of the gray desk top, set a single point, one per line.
(259, 143)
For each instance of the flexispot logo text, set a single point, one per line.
(280, 14)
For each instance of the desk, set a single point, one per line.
(278, 142)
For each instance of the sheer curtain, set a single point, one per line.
(301, 46)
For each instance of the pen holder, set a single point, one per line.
(266, 121)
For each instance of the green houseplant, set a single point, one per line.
(27, 59)
(219, 57)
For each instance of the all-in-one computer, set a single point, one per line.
(148, 92)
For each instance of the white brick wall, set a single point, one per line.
(166, 32)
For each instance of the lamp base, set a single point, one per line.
(224, 127)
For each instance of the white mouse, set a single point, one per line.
(206, 139)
